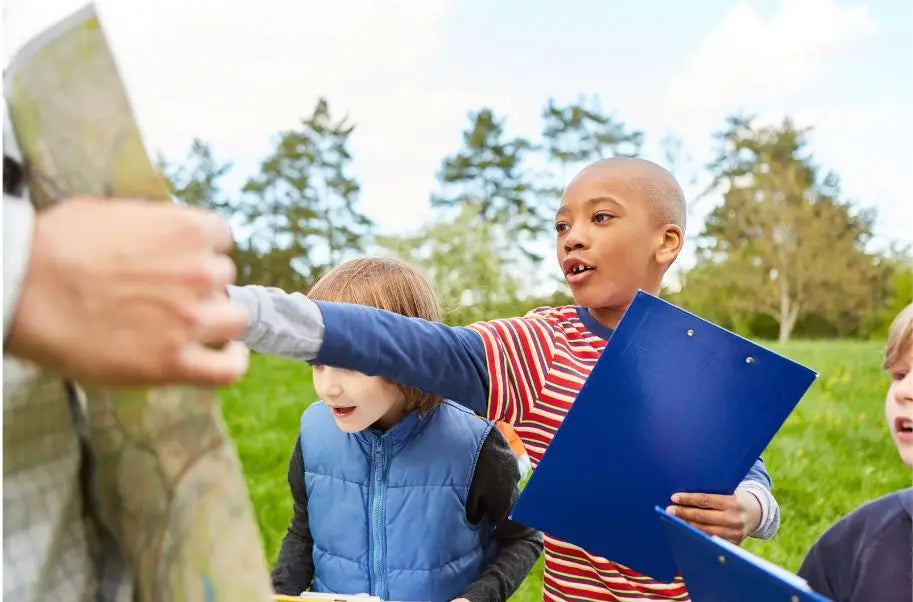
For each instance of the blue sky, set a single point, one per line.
(407, 72)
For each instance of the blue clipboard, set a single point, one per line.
(716, 570)
(674, 404)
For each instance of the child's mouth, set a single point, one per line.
(904, 429)
(343, 412)
(579, 273)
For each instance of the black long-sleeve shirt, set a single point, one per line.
(492, 494)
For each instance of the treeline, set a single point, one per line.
(783, 255)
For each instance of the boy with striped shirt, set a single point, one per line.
(619, 228)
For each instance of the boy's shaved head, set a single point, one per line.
(651, 182)
(619, 227)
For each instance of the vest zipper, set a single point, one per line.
(378, 503)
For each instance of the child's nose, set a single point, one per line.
(574, 240)
(330, 379)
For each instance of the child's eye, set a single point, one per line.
(898, 376)
(317, 367)
(602, 217)
(561, 227)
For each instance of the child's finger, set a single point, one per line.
(727, 533)
(702, 500)
(707, 517)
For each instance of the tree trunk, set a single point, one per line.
(786, 329)
(789, 311)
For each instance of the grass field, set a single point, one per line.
(832, 454)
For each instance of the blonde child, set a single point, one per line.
(398, 493)
(868, 554)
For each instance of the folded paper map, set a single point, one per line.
(168, 480)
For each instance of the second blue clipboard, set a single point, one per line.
(674, 404)
(718, 571)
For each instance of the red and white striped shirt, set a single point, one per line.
(537, 365)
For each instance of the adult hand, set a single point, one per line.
(130, 292)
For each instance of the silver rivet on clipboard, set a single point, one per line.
(690, 332)
(749, 360)
(722, 559)
(794, 599)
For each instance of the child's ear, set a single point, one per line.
(670, 244)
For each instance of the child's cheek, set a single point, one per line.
(889, 409)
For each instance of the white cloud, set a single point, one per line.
(771, 67)
(748, 58)
(234, 73)
(236, 77)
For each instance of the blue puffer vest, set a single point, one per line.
(387, 510)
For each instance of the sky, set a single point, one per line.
(407, 73)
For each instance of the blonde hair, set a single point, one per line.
(900, 337)
(387, 284)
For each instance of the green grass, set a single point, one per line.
(832, 454)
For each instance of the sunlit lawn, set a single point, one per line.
(831, 455)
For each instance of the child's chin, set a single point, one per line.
(906, 454)
(348, 427)
(591, 295)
